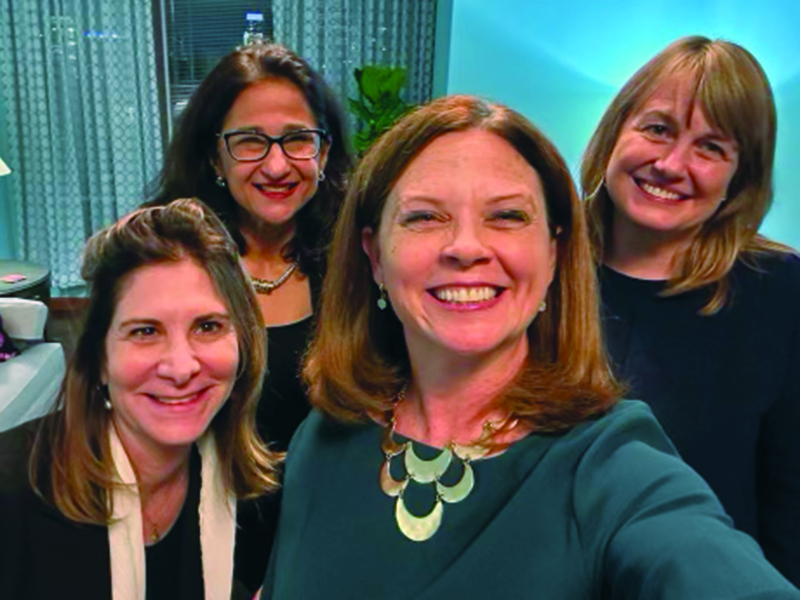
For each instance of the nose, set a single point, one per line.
(275, 164)
(465, 247)
(179, 362)
(674, 160)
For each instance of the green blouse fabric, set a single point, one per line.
(604, 511)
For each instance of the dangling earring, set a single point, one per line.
(221, 181)
(543, 306)
(383, 298)
(321, 176)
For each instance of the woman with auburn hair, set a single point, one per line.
(129, 488)
(467, 441)
(700, 311)
(264, 143)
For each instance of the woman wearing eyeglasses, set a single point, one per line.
(262, 141)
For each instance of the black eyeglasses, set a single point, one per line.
(251, 146)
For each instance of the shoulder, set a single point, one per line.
(630, 465)
(777, 271)
(628, 422)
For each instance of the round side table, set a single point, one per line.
(35, 286)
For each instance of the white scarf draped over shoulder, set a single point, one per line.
(217, 516)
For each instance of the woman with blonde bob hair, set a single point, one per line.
(700, 310)
(128, 488)
(466, 439)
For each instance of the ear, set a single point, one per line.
(370, 243)
(323, 157)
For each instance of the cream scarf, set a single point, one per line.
(217, 527)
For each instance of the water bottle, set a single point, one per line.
(254, 29)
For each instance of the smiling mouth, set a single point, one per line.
(659, 193)
(275, 189)
(178, 400)
(466, 295)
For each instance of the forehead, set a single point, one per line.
(166, 288)
(468, 164)
(679, 97)
(272, 100)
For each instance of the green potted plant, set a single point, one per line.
(379, 103)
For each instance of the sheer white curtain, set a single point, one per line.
(336, 36)
(82, 122)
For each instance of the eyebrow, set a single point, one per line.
(222, 316)
(287, 128)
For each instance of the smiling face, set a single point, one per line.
(170, 364)
(464, 248)
(670, 169)
(272, 190)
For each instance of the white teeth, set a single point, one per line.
(185, 400)
(471, 294)
(659, 192)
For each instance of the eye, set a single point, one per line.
(510, 216)
(713, 148)
(144, 331)
(656, 129)
(421, 218)
(211, 326)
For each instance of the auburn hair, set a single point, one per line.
(358, 360)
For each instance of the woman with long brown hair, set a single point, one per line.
(467, 441)
(701, 311)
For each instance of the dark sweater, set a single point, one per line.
(726, 389)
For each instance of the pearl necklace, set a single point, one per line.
(267, 286)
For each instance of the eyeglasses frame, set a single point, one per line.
(225, 136)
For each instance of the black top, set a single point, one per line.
(44, 555)
(173, 566)
(603, 511)
(726, 389)
(284, 404)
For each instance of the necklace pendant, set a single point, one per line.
(418, 529)
(391, 486)
(426, 471)
(267, 286)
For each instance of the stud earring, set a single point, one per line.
(220, 181)
(383, 298)
(321, 176)
(543, 306)
(103, 391)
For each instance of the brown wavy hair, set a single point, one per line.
(734, 94)
(71, 464)
(358, 360)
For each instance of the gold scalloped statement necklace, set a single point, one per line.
(421, 528)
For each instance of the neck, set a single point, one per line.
(644, 253)
(157, 469)
(265, 244)
(450, 398)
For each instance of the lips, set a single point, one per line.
(659, 193)
(178, 400)
(276, 191)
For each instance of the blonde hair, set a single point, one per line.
(734, 94)
(71, 464)
(358, 360)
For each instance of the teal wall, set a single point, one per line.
(560, 64)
